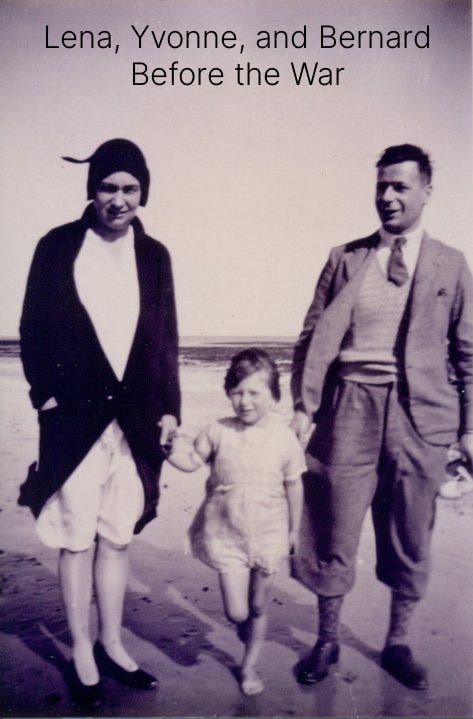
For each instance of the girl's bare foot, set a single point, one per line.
(251, 683)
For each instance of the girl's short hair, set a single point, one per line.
(246, 363)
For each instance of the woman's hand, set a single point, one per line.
(49, 404)
(168, 424)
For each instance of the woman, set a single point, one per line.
(99, 350)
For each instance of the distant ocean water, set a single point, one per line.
(206, 351)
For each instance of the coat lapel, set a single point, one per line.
(335, 320)
(352, 260)
(428, 265)
(147, 288)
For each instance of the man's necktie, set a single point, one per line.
(397, 270)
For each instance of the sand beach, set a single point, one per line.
(174, 624)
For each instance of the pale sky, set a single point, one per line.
(250, 186)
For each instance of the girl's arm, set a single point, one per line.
(294, 496)
(187, 457)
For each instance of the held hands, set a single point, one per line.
(180, 452)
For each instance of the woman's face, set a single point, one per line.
(116, 200)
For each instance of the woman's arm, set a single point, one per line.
(169, 349)
(35, 328)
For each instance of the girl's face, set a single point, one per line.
(252, 398)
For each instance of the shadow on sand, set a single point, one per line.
(173, 604)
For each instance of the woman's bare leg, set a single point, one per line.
(111, 573)
(75, 576)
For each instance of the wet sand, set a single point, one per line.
(174, 624)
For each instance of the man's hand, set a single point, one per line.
(168, 424)
(301, 425)
(293, 542)
(466, 445)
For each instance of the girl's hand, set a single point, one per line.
(182, 454)
(293, 542)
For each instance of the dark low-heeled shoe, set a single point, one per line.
(87, 696)
(397, 659)
(137, 679)
(316, 666)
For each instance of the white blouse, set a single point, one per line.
(106, 278)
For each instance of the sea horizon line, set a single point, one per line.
(209, 338)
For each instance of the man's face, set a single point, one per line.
(116, 200)
(401, 193)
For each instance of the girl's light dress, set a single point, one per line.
(243, 521)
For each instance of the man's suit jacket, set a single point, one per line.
(437, 336)
(62, 358)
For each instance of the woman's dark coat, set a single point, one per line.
(62, 358)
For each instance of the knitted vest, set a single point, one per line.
(369, 349)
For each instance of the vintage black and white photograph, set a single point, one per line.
(236, 358)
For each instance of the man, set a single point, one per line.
(99, 350)
(384, 367)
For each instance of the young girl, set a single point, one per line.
(250, 518)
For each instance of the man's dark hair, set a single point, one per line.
(246, 363)
(401, 153)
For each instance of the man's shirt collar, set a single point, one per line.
(414, 236)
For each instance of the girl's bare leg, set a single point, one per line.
(259, 588)
(235, 588)
(75, 576)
